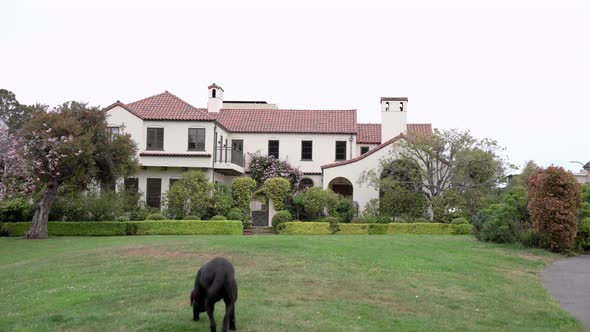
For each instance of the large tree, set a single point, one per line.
(69, 145)
(14, 114)
(456, 169)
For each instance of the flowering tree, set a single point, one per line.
(263, 168)
(14, 175)
(68, 145)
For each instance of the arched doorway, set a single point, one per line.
(341, 186)
(305, 183)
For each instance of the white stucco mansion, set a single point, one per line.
(328, 146)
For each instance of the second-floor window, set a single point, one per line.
(340, 150)
(196, 139)
(273, 148)
(113, 132)
(155, 139)
(306, 150)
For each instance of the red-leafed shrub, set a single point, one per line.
(554, 198)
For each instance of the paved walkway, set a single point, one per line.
(568, 280)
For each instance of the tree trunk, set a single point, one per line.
(38, 228)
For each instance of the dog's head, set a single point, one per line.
(197, 301)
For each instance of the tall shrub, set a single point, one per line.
(190, 195)
(277, 189)
(222, 200)
(554, 199)
(317, 201)
(263, 168)
(242, 189)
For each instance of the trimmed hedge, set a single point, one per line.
(323, 228)
(110, 228)
(353, 229)
(304, 228)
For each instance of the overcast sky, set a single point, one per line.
(515, 71)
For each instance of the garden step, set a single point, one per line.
(258, 230)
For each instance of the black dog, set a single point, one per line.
(215, 281)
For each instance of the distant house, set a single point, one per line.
(583, 176)
(329, 147)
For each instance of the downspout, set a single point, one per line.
(350, 139)
(214, 154)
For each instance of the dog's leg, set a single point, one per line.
(232, 317)
(227, 319)
(210, 307)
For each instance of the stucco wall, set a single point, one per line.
(362, 192)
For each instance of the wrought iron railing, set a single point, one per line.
(230, 155)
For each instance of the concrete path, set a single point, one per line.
(568, 280)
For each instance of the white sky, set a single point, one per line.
(515, 71)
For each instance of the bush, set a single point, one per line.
(422, 220)
(529, 238)
(583, 236)
(121, 218)
(155, 216)
(190, 195)
(304, 228)
(330, 220)
(281, 217)
(242, 189)
(316, 201)
(459, 221)
(14, 210)
(353, 229)
(222, 200)
(358, 220)
(462, 229)
(173, 227)
(109, 228)
(277, 190)
(235, 214)
(218, 217)
(554, 199)
(191, 218)
(344, 210)
(263, 168)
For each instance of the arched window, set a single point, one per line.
(213, 93)
(305, 183)
(401, 106)
(387, 107)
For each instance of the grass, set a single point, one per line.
(294, 283)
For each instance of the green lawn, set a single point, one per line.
(286, 283)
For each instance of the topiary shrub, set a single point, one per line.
(583, 236)
(242, 189)
(155, 216)
(422, 220)
(280, 217)
(330, 220)
(277, 190)
(218, 217)
(358, 220)
(121, 219)
(191, 218)
(554, 199)
(235, 214)
(190, 195)
(459, 221)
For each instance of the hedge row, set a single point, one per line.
(113, 228)
(323, 228)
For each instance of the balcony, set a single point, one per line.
(229, 161)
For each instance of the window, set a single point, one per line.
(196, 139)
(387, 107)
(305, 183)
(306, 150)
(340, 150)
(131, 185)
(213, 93)
(273, 148)
(171, 183)
(155, 139)
(154, 192)
(364, 149)
(401, 106)
(113, 132)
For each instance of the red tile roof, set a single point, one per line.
(288, 121)
(164, 154)
(370, 133)
(165, 106)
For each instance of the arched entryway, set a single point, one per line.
(341, 186)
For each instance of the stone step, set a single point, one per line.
(258, 230)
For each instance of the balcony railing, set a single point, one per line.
(230, 155)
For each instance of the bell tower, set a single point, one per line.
(215, 98)
(394, 111)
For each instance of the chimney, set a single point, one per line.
(215, 98)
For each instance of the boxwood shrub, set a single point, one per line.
(304, 228)
(109, 228)
(319, 228)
